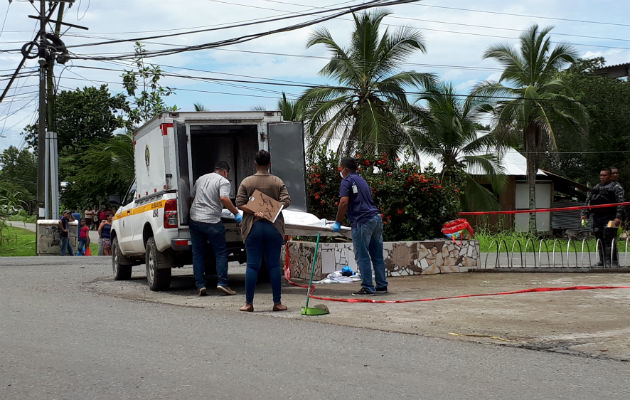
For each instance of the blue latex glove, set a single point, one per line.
(336, 227)
(238, 218)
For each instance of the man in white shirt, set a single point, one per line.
(211, 194)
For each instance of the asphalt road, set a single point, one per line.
(61, 340)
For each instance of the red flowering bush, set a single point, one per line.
(413, 203)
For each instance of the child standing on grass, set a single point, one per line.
(84, 237)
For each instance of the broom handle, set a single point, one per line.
(310, 281)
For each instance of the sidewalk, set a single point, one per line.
(31, 227)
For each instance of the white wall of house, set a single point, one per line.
(544, 193)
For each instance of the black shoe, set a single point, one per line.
(363, 292)
(381, 291)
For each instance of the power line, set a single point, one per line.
(433, 21)
(269, 81)
(502, 28)
(521, 15)
(348, 9)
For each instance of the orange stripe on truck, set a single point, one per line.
(141, 209)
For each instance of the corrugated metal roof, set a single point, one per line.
(513, 163)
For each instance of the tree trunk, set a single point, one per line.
(530, 154)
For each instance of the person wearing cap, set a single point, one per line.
(66, 247)
(367, 227)
(210, 194)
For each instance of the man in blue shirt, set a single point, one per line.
(367, 227)
(63, 233)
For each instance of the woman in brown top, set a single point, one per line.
(263, 239)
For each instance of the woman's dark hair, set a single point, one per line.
(263, 158)
(350, 163)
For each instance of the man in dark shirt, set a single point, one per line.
(614, 174)
(63, 233)
(367, 227)
(606, 220)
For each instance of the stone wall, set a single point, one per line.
(401, 258)
(48, 239)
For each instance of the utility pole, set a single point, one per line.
(41, 136)
(49, 47)
(52, 122)
(52, 186)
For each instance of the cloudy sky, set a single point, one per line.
(456, 33)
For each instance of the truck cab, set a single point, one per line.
(173, 150)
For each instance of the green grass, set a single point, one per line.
(490, 241)
(18, 242)
(23, 217)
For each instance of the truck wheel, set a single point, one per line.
(122, 270)
(158, 267)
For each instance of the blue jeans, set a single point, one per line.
(65, 245)
(263, 242)
(367, 241)
(200, 232)
(82, 246)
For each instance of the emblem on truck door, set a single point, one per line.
(146, 155)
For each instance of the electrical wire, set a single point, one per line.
(441, 22)
(313, 85)
(4, 21)
(347, 9)
(521, 15)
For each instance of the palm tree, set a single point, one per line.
(537, 100)
(291, 110)
(448, 131)
(112, 160)
(364, 111)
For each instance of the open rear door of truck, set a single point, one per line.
(184, 185)
(286, 146)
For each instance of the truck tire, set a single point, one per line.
(158, 267)
(120, 266)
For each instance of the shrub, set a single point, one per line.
(413, 203)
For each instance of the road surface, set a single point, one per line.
(59, 339)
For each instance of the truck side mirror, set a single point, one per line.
(114, 200)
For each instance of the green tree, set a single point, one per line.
(448, 131)
(18, 179)
(536, 100)
(106, 168)
(84, 116)
(146, 94)
(606, 143)
(365, 110)
(86, 119)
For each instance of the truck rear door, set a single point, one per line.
(184, 184)
(286, 146)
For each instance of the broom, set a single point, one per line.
(318, 309)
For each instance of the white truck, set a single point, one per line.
(174, 149)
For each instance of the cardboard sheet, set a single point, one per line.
(260, 202)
